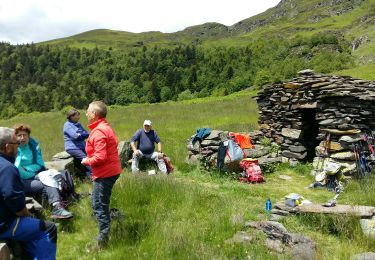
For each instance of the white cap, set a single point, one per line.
(147, 122)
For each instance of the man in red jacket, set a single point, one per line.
(103, 158)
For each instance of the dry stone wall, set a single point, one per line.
(299, 115)
(205, 153)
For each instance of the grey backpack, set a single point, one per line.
(234, 151)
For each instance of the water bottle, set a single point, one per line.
(268, 205)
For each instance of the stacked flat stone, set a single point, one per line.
(344, 107)
(204, 153)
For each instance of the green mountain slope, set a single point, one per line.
(353, 19)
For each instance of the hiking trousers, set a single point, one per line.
(33, 186)
(38, 237)
(101, 195)
(154, 156)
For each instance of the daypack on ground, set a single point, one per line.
(168, 164)
(252, 172)
(66, 183)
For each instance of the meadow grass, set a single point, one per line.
(191, 213)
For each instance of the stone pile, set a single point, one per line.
(205, 153)
(300, 113)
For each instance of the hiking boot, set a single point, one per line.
(59, 212)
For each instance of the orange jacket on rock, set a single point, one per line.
(243, 140)
(101, 149)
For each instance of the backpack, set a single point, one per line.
(252, 172)
(234, 151)
(168, 164)
(66, 185)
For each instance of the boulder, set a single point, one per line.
(368, 227)
(364, 256)
(125, 152)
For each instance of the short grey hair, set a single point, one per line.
(6, 136)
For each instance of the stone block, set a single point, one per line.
(60, 164)
(214, 135)
(4, 251)
(290, 154)
(258, 151)
(291, 133)
(368, 227)
(61, 156)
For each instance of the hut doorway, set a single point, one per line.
(310, 128)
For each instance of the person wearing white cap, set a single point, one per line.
(146, 138)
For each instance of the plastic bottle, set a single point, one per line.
(268, 205)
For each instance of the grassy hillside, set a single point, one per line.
(190, 214)
(289, 19)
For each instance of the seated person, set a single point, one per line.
(145, 138)
(74, 138)
(38, 237)
(29, 162)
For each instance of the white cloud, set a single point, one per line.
(24, 21)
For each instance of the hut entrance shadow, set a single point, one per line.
(310, 132)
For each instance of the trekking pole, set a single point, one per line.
(357, 164)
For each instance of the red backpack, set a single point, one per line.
(168, 164)
(252, 171)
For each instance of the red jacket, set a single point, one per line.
(101, 149)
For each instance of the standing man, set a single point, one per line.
(38, 237)
(145, 138)
(103, 158)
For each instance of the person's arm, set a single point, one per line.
(100, 150)
(157, 140)
(136, 137)
(134, 148)
(84, 133)
(72, 132)
(12, 191)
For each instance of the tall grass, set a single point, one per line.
(175, 122)
(190, 214)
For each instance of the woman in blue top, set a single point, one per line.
(30, 163)
(74, 138)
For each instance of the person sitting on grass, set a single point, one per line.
(74, 138)
(145, 138)
(38, 237)
(30, 163)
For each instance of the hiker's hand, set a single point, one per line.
(137, 152)
(84, 161)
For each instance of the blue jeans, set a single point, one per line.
(79, 155)
(101, 195)
(38, 237)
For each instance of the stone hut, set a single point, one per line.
(301, 114)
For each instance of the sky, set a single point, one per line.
(26, 21)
